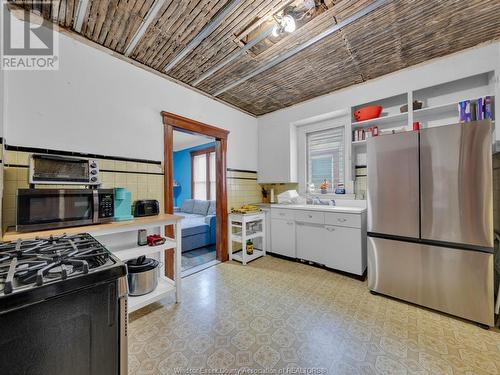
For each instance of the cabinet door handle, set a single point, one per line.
(341, 219)
(310, 216)
(330, 229)
(282, 214)
(290, 222)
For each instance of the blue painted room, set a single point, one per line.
(194, 199)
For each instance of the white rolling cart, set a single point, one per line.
(244, 227)
(121, 239)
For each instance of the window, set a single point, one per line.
(325, 157)
(211, 170)
(203, 174)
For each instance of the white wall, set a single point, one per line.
(276, 127)
(2, 100)
(97, 103)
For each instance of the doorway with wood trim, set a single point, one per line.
(173, 122)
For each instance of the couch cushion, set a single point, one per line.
(192, 227)
(212, 208)
(200, 207)
(187, 216)
(187, 206)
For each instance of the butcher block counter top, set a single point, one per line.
(98, 229)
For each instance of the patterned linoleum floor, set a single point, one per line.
(275, 314)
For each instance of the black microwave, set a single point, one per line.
(39, 209)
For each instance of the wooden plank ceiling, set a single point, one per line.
(402, 33)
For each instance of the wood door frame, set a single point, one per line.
(172, 121)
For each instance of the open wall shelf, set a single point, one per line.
(389, 120)
(439, 107)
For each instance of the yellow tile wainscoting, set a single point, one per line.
(242, 187)
(114, 173)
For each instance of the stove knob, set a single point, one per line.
(93, 165)
(93, 179)
(93, 171)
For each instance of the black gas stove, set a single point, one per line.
(33, 263)
(58, 294)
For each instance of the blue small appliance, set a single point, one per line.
(340, 189)
(123, 204)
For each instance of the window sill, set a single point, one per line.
(331, 195)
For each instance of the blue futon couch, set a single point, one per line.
(198, 225)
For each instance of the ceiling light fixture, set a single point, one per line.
(285, 24)
(294, 51)
(288, 23)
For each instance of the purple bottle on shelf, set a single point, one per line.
(488, 108)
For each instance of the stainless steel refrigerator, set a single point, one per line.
(430, 218)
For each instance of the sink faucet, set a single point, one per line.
(333, 203)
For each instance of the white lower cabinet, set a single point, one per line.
(344, 250)
(283, 237)
(311, 237)
(310, 242)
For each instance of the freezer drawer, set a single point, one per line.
(393, 192)
(458, 282)
(456, 184)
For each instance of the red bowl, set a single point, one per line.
(367, 113)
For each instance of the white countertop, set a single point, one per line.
(311, 207)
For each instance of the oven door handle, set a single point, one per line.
(123, 301)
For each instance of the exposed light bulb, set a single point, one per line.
(289, 24)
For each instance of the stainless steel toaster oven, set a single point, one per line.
(56, 169)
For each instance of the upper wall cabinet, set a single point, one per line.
(277, 155)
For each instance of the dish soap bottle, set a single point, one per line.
(249, 247)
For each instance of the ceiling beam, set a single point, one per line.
(152, 13)
(263, 35)
(81, 11)
(279, 59)
(206, 31)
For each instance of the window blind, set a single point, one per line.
(325, 157)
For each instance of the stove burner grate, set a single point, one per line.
(36, 262)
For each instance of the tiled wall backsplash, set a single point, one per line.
(280, 188)
(360, 184)
(143, 180)
(242, 188)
